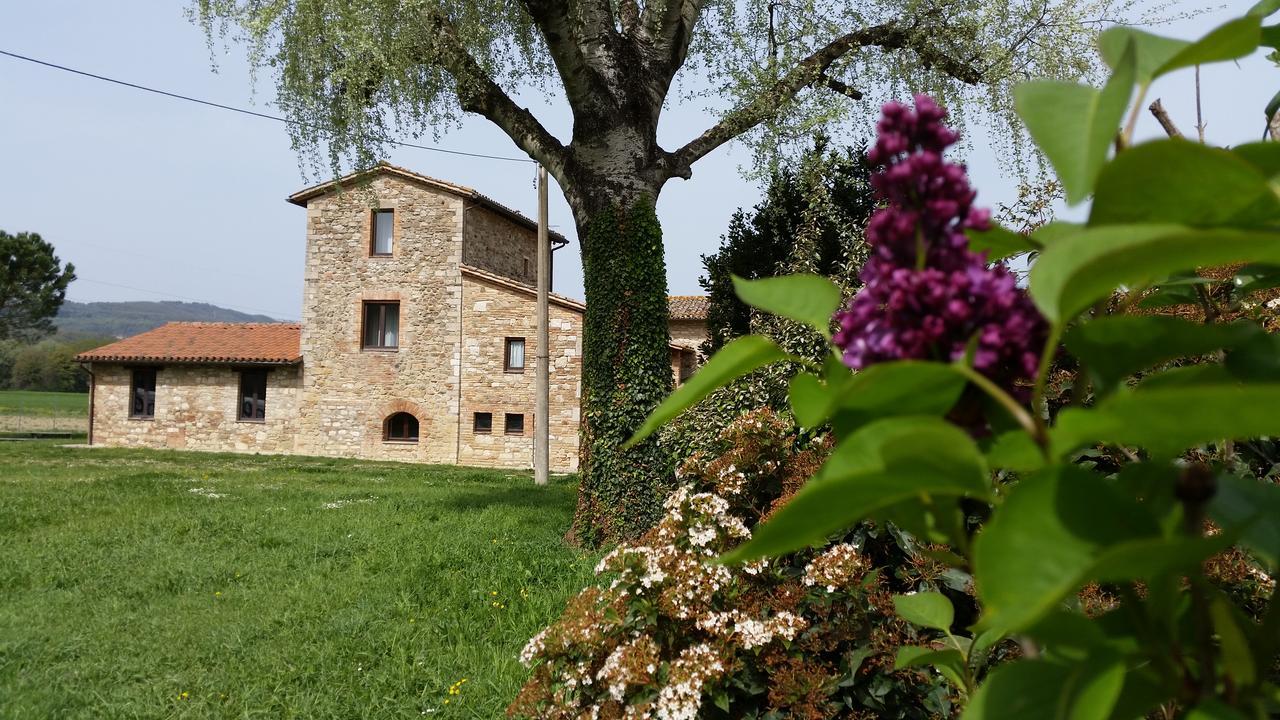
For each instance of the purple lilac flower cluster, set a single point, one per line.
(926, 294)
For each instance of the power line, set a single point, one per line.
(271, 313)
(244, 111)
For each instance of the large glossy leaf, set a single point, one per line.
(1263, 8)
(1015, 450)
(1000, 243)
(1049, 691)
(1075, 124)
(1080, 269)
(810, 299)
(1151, 51)
(1265, 156)
(1169, 419)
(948, 661)
(1229, 41)
(906, 387)
(888, 467)
(1164, 181)
(1253, 506)
(1043, 540)
(737, 358)
(1115, 347)
(1255, 277)
(811, 402)
(926, 609)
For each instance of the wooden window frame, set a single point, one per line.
(240, 396)
(133, 386)
(506, 424)
(506, 355)
(409, 440)
(475, 423)
(382, 325)
(373, 232)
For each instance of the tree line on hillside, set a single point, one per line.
(33, 286)
(47, 365)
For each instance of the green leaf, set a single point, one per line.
(949, 662)
(1164, 181)
(811, 402)
(1075, 124)
(1237, 656)
(1264, 156)
(1167, 420)
(810, 299)
(906, 387)
(1264, 8)
(886, 469)
(1043, 540)
(737, 358)
(1254, 506)
(1254, 277)
(1078, 270)
(1213, 710)
(1230, 41)
(926, 609)
(1270, 37)
(1256, 359)
(1113, 348)
(1151, 51)
(1015, 450)
(1000, 243)
(1270, 111)
(1042, 689)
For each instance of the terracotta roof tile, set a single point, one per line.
(201, 342)
(688, 307)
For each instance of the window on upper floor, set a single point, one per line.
(514, 424)
(401, 427)
(383, 230)
(381, 329)
(482, 423)
(253, 396)
(513, 360)
(142, 393)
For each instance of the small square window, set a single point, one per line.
(513, 360)
(142, 394)
(383, 229)
(482, 423)
(514, 424)
(381, 325)
(253, 395)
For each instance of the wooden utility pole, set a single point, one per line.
(542, 380)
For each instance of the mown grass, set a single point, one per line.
(28, 401)
(150, 584)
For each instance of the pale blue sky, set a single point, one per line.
(157, 199)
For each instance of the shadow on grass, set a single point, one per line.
(533, 497)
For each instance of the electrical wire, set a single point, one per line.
(254, 113)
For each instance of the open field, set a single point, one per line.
(155, 584)
(27, 411)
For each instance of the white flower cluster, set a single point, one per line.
(835, 568)
(533, 648)
(681, 698)
(619, 668)
(752, 633)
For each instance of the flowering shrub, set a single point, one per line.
(671, 634)
(1125, 535)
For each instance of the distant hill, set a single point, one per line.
(121, 319)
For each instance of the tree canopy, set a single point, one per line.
(33, 284)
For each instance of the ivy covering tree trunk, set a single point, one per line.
(626, 371)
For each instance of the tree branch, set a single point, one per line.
(811, 70)
(1162, 116)
(478, 93)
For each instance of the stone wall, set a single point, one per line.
(687, 333)
(196, 408)
(491, 312)
(348, 392)
(497, 244)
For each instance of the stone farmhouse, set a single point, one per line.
(417, 343)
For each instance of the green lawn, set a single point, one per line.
(15, 401)
(153, 584)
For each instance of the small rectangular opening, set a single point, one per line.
(381, 326)
(142, 394)
(383, 229)
(482, 423)
(253, 396)
(514, 424)
(513, 355)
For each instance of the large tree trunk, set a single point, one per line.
(626, 367)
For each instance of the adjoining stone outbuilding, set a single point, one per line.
(417, 343)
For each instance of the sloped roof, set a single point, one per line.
(688, 307)
(208, 343)
(302, 196)
(506, 282)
